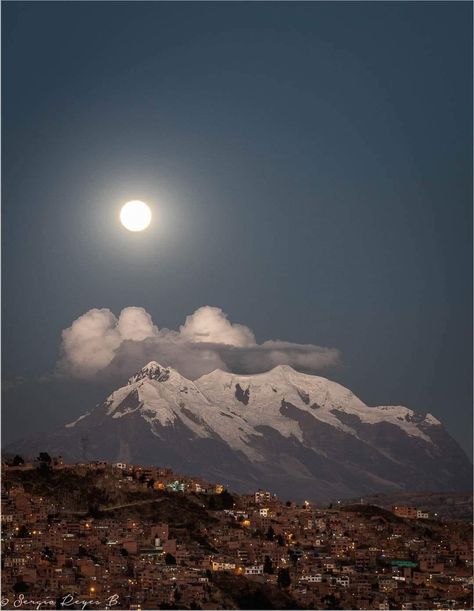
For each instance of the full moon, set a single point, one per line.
(135, 215)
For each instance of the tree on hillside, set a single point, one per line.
(21, 587)
(293, 556)
(268, 565)
(284, 579)
(44, 460)
(227, 500)
(17, 461)
(47, 553)
(218, 502)
(170, 559)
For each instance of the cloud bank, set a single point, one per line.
(100, 343)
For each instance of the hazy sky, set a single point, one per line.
(309, 167)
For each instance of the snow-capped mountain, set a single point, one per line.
(299, 435)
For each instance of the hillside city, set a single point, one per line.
(103, 536)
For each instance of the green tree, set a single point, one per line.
(293, 556)
(48, 553)
(170, 559)
(44, 460)
(217, 502)
(21, 587)
(44, 457)
(268, 565)
(227, 500)
(270, 534)
(17, 461)
(284, 579)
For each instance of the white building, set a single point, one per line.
(311, 578)
(422, 515)
(261, 496)
(223, 566)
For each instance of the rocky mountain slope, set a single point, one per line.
(298, 435)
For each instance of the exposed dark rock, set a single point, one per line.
(241, 394)
(304, 396)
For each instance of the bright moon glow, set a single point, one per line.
(135, 216)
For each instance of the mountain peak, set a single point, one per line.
(284, 369)
(152, 370)
(152, 366)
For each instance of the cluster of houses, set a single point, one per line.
(322, 557)
(406, 511)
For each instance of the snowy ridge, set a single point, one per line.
(233, 407)
(313, 394)
(74, 422)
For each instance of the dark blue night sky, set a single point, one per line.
(310, 165)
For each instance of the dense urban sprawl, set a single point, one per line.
(119, 536)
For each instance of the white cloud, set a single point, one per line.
(136, 324)
(210, 324)
(90, 343)
(99, 343)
